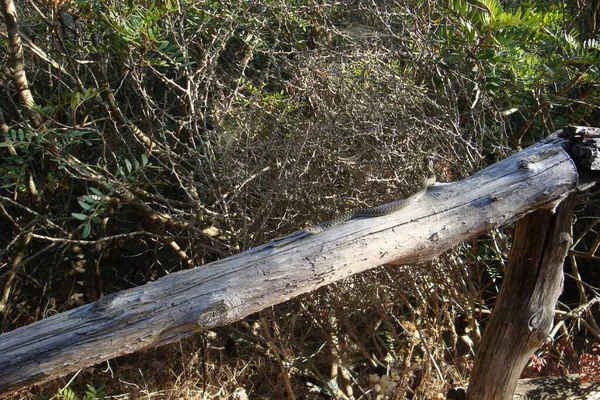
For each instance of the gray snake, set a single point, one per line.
(384, 209)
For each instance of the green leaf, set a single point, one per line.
(128, 165)
(96, 191)
(81, 217)
(84, 205)
(89, 199)
(87, 228)
(144, 160)
(66, 394)
(75, 100)
(48, 110)
(93, 393)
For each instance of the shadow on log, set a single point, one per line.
(556, 388)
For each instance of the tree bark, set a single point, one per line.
(524, 310)
(16, 62)
(227, 290)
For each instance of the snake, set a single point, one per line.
(384, 209)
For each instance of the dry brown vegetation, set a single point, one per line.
(175, 133)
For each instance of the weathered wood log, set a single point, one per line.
(524, 311)
(219, 293)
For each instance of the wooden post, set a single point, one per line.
(524, 310)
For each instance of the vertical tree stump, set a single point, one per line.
(524, 311)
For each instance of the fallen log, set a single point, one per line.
(221, 292)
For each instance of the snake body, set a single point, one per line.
(384, 209)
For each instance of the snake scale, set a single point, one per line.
(378, 211)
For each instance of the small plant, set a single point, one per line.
(91, 393)
(589, 365)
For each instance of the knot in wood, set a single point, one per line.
(539, 325)
(212, 315)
